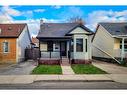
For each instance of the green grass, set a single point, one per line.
(47, 69)
(86, 69)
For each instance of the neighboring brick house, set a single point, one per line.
(14, 38)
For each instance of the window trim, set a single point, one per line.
(4, 47)
(125, 44)
(76, 44)
(86, 45)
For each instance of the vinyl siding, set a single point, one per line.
(104, 41)
(78, 30)
(117, 51)
(81, 33)
(22, 42)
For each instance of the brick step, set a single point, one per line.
(65, 61)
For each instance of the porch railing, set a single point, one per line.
(53, 54)
(50, 54)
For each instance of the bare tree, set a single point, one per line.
(76, 19)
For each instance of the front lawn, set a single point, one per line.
(86, 69)
(47, 69)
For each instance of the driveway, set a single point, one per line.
(23, 68)
(110, 67)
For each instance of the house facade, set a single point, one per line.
(14, 38)
(64, 40)
(110, 41)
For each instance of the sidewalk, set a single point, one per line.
(26, 79)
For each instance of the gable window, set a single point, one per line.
(50, 46)
(86, 44)
(5, 47)
(79, 45)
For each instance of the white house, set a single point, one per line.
(110, 41)
(65, 40)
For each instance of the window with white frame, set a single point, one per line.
(79, 45)
(125, 45)
(5, 47)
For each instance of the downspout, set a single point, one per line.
(107, 54)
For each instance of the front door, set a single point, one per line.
(63, 48)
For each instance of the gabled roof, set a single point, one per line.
(116, 28)
(58, 29)
(11, 30)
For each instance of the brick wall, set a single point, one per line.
(9, 57)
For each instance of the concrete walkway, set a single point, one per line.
(23, 68)
(66, 67)
(110, 67)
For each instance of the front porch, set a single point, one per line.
(76, 49)
(53, 50)
(120, 48)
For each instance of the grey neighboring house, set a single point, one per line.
(110, 37)
(64, 40)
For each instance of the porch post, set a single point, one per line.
(70, 48)
(122, 52)
(39, 50)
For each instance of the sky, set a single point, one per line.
(32, 15)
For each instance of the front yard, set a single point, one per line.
(86, 69)
(77, 69)
(47, 69)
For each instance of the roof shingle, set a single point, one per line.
(116, 28)
(58, 29)
(11, 30)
